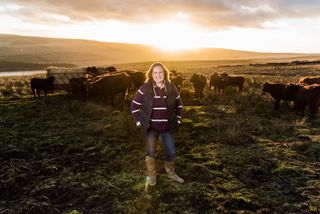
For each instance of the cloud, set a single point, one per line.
(211, 14)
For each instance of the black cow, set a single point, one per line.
(199, 81)
(277, 92)
(109, 85)
(237, 81)
(178, 81)
(137, 79)
(218, 81)
(78, 87)
(92, 70)
(38, 85)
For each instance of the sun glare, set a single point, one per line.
(172, 36)
(176, 34)
(172, 46)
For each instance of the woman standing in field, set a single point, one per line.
(157, 108)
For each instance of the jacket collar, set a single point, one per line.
(164, 85)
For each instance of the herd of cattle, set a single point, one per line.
(218, 81)
(94, 86)
(304, 93)
(109, 84)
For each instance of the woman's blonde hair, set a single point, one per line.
(150, 70)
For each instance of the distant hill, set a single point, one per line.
(16, 49)
(14, 66)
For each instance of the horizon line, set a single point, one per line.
(156, 47)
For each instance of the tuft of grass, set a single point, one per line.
(232, 134)
(75, 212)
(92, 110)
(283, 169)
(126, 125)
(94, 129)
(7, 92)
(230, 91)
(74, 106)
(187, 96)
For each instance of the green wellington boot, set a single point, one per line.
(151, 170)
(170, 169)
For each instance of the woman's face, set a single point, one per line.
(158, 74)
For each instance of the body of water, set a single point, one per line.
(21, 73)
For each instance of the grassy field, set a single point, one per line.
(237, 155)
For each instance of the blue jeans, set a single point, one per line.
(166, 140)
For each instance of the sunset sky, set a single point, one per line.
(256, 25)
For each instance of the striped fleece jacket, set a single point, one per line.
(158, 108)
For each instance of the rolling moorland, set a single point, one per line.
(236, 154)
(35, 53)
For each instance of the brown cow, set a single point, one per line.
(38, 85)
(109, 85)
(199, 81)
(91, 78)
(276, 90)
(218, 82)
(234, 81)
(310, 80)
(304, 96)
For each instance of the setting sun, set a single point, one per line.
(172, 35)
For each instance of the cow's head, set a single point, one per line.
(51, 79)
